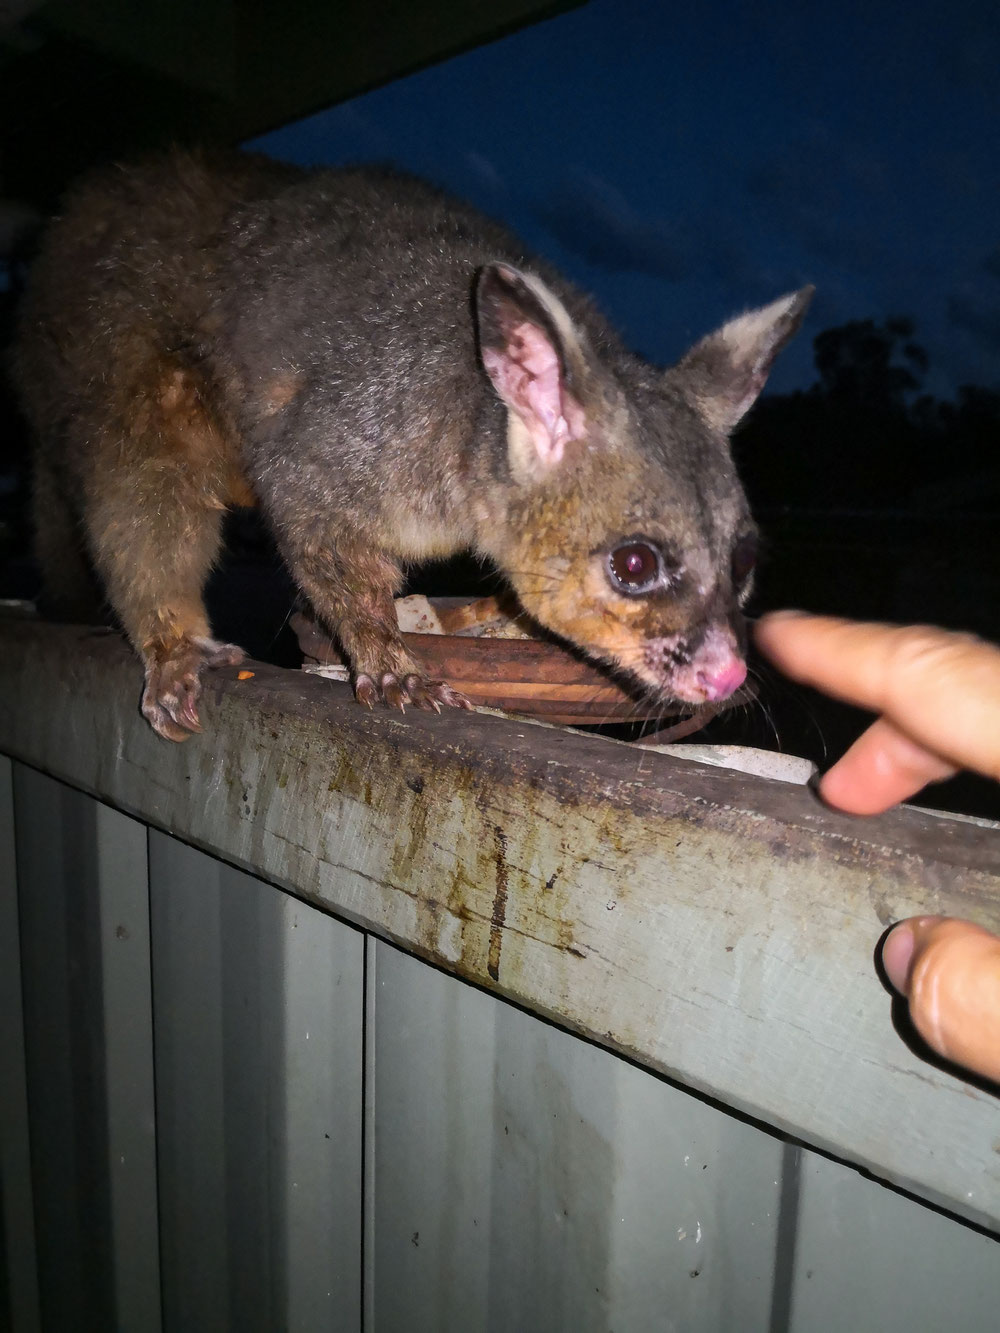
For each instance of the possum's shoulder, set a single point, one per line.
(377, 208)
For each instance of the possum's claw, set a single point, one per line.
(440, 692)
(431, 695)
(394, 692)
(365, 691)
(173, 684)
(428, 695)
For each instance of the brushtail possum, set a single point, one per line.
(390, 377)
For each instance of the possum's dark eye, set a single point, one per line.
(635, 567)
(743, 560)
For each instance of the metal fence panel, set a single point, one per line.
(123, 906)
(63, 1014)
(869, 1260)
(88, 1040)
(524, 1179)
(18, 1282)
(258, 1010)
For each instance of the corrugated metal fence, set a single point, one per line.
(227, 1108)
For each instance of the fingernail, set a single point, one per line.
(897, 956)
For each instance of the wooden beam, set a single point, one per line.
(714, 926)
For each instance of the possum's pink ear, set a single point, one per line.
(529, 348)
(724, 373)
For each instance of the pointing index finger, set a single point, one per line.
(941, 689)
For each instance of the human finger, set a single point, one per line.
(949, 970)
(883, 767)
(940, 689)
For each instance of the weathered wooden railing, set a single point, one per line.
(713, 927)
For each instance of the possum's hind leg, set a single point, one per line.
(154, 523)
(154, 559)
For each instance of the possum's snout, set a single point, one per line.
(711, 670)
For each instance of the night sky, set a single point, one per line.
(683, 163)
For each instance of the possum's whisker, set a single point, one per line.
(755, 674)
(284, 624)
(538, 579)
(778, 683)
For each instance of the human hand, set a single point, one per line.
(937, 695)
(938, 699)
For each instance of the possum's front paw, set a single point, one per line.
(173, 684)
(397, 692)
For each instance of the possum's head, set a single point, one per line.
(627, 531)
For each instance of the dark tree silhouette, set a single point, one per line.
(878, 499)
(864, 438)
(869, 365)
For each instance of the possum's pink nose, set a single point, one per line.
(721, 681)
(715, 670)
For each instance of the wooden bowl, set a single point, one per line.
(534, 676)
